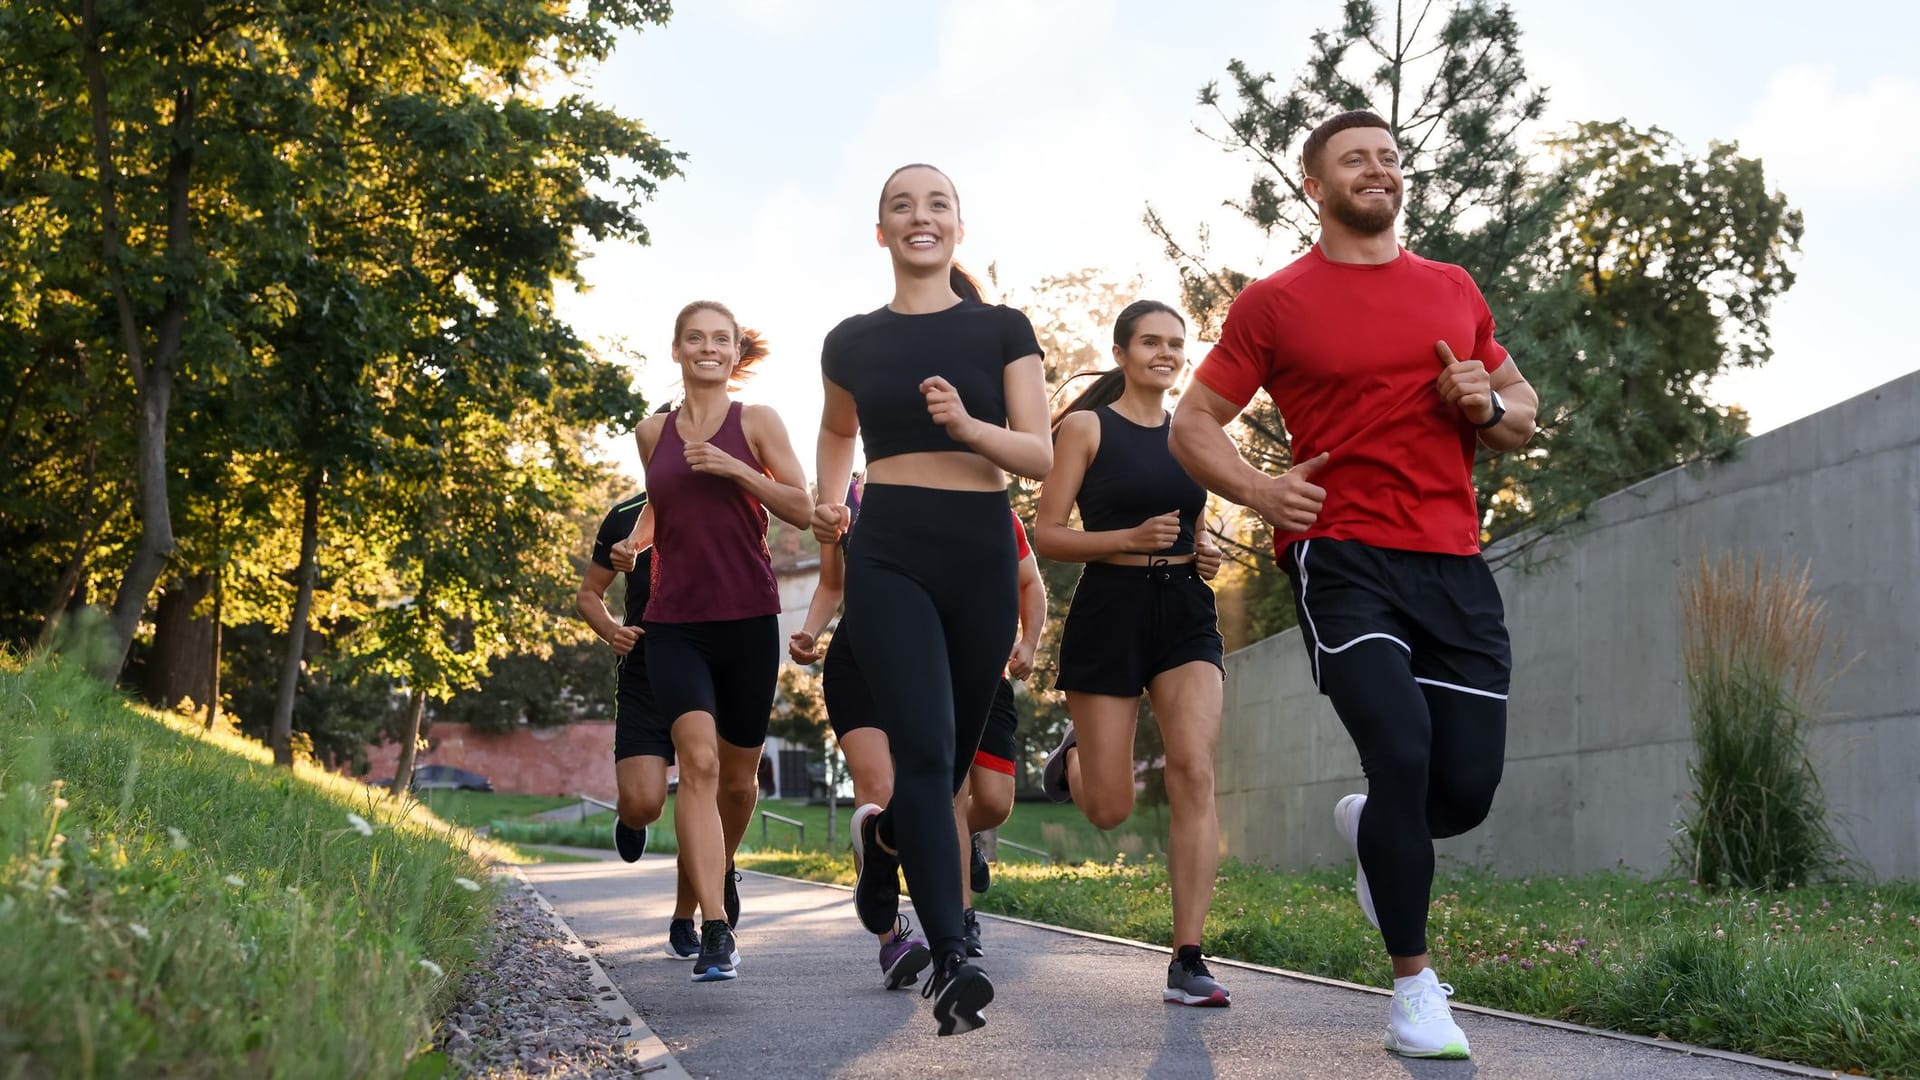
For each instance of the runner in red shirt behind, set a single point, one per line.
(1385, 369)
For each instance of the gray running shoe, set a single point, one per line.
(1190, 983)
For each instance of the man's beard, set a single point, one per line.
(1367, 220)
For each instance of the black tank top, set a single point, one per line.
(1133, 477)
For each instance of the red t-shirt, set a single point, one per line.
(1346, 352)
(1021, 548)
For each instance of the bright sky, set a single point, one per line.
(1060, 120)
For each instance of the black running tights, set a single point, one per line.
(1432, 756)
(932, 599)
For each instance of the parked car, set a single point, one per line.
(446, 776)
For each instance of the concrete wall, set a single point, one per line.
(1598, 735)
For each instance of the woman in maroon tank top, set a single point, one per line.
(714, 469)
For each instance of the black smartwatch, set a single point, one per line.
(1499, 410)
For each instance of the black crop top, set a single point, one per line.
(882, 357)
(1133, 477)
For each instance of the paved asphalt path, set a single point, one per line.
(809, 1003)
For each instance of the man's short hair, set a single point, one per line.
(1317, 142)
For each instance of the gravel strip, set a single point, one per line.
(530, 1009)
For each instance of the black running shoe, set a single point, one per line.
(959, 991)
(876, 892)
(979, 876)
(719, 958)
(972, 924)
(630, 843)
(732, 901)
(1053, 778)
(683, 941)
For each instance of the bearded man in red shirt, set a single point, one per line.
(1385, 369)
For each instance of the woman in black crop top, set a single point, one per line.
(949, 395)
(1142, 618)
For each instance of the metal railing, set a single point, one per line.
(588, 800)
(1035, 852)
(799, 826)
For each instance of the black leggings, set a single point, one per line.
(1432, 756)
(932, 602)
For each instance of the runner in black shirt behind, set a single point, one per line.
(642, 745)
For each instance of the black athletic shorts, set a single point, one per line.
(1444, 610)
(1130, 623)
(638, 726)
(850, 707)
(849, 704)
(996, 743)
(726, 668)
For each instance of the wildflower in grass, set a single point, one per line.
(432, 968)
(235, 880)
(359, 825)
(57, 891)
(59, 803)
(176, 838)
(139, 931)
(467, 883)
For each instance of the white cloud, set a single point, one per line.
(1816, 136)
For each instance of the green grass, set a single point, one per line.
(1825, 976)
(476, 808)
(172, 904)
(1057, 829)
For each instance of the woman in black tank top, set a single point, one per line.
(949, 395)
(1142, 618)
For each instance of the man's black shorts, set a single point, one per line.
(1444, 610)
(638, 727)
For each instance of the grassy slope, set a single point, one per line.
(170, 903)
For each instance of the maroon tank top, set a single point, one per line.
(710, 559)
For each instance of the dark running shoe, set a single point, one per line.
(959, 991)
(876, 891)
(719, 959)
(979, 876)
(1190, 983)
(630, 843)
(903, 957)
(971, 922)
(683, 941)
(1053, 778)
(732, 901)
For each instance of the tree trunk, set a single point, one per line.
(152, 372)
(182, 643)
(409, 742)
(282, 736)
(213, 664)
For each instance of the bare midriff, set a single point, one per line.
(948, 470)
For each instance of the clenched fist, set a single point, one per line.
(1291, 502)
(946, 408)
(1465, 385)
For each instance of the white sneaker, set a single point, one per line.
(1419, 1024)
(1346, 818)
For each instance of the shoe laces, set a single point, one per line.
(713, 935)
(1427, 1001)
(1194, 965)
(943, 968)
(901, 928)
(970, 920)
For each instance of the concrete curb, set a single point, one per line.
(1687, 1049)
(642, 1048)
